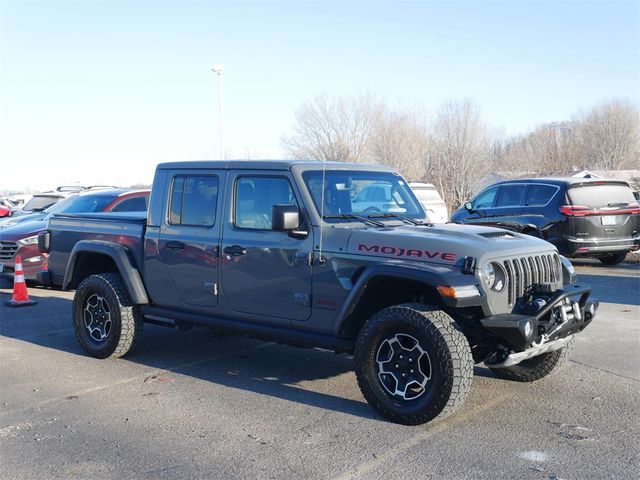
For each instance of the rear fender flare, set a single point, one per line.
(123, 260)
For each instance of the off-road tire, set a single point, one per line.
(450, 360)
(537, 367)
(613, 259)
(126, 319)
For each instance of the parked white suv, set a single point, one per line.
(431, 200)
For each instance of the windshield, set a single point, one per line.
(601, 195)
(362, 193)
(40, 202)
(60, 206)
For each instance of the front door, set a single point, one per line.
(264, 272)
(189, 237)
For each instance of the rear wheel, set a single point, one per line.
(613, 259)
(106, 322)
(537, 367)
(412, 364)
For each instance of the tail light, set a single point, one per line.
(575, 210)
(583, 211)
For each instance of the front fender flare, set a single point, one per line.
(429, 275)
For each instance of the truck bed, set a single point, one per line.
(67, 230)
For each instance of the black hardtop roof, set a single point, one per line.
(269, 165)
(562, 180)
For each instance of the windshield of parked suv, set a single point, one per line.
(600, 195)
(40, 202)
(362, 193)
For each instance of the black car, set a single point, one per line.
(582, 217)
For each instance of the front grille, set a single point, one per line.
(8, 250)
(526, 271)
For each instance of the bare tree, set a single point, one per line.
(550, 148)
(334, 129)
(401, 141)
(460, 151)
(609, 136)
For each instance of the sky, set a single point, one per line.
(99, 92)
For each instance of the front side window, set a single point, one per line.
(485, 199)
(194, 200)
(511, 196)
(255, 198)
(361, 193)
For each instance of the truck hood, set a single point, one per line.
(446, 244)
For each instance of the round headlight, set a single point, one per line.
(489, 274)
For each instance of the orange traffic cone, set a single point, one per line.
(20, 296)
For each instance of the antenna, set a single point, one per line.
(322, 186)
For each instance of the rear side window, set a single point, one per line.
(511, 196)
(540, 195)
(193, 200)
(601, 195)
(135, 204)
(255, 198)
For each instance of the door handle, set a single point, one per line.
(235, 250)
(175, 245)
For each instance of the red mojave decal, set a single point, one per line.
(406, 252)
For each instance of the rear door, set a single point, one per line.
(601, 210)
(189, 237)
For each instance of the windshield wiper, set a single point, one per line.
(400, 217)
(357, 217)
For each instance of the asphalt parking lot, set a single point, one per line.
(200, 404)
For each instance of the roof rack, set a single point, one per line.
(70, 188)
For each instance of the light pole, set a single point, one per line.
(218, 68)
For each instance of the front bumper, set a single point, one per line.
(521, 332)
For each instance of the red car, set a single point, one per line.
(4, 211)
(22, 238)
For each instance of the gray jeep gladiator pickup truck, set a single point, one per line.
(336, 256)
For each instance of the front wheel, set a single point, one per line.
(106, 322)
(412, 364)
(614, 259)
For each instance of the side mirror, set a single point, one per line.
(285, 218)
(468, 206)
